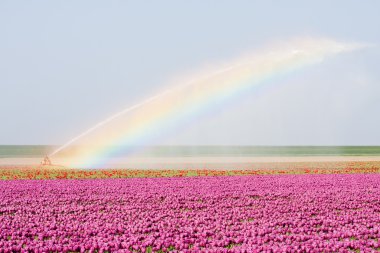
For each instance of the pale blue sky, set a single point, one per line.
(65, 65)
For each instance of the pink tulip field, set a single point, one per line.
(263, 213)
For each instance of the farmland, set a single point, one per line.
(251, 213)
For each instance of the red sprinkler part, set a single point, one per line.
(46, 161)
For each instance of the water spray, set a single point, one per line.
(235, 78)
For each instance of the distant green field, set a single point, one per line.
(12, 151)
(265, 151)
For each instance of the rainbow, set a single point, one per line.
(166, 112)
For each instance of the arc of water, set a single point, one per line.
(319, 50)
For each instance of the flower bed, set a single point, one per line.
(334, 212)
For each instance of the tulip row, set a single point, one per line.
(287, 213)
(43, 172)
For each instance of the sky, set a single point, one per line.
(66, 65)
